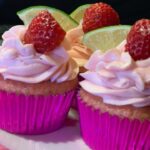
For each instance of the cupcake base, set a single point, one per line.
(33, 114)
(104, 131)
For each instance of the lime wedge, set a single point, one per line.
(27, 14)
(106, 38)
(78, 13)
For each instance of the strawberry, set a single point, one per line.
(138, 40)
(44, 33)
(99, 15)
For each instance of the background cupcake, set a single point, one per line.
(114, 102)
(38, 78)
(95, 16)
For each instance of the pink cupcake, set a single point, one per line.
(96, 16)
(38, 78)
(114, 101)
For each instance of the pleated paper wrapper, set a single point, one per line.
(33, 114)
(102, 131)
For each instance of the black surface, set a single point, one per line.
(3, 28)
(129, 10)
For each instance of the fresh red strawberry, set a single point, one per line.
(138, 40)
(44, 33)
(99, 15)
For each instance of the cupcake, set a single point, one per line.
(95, 16)
(38, 79)
(114, 101)
(105, 16)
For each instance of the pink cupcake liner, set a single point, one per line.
(102, 131)
(74, 104)
(33, 114)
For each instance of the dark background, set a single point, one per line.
(129, 10)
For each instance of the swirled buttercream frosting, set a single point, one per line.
(117, 78)
(21, 62)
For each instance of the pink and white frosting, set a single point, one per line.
(21, 62)
(79, 52)
(117, 78)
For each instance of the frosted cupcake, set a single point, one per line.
(38, 79)
(105, 16)
(96, 16)
(114, 101)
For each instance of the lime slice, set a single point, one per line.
(27, 14)
(106, 38)
(78, 13)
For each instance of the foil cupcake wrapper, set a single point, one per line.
(74, 104)
(102, 131)
(33, 114)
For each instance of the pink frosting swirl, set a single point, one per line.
(21, 62)
(117, 78)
